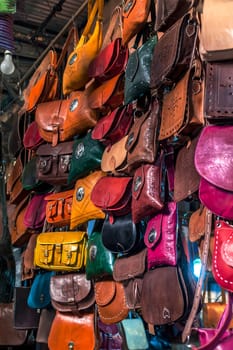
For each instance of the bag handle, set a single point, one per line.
(115, 21)
(72, 36)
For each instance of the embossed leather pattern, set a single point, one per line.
(219, 89)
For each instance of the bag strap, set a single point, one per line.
(115, 21)
(72, 36)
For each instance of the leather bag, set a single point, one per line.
(58, 208)
(196, 224)
(114, 158)
(35, 213)
(113, 195)
(114, 126)
(61, 251)
(111, 301)
(214, 152)
(134, 18)
(134, 333)
(186, 177)
(29, 176)
(31, 137)
(28, 268)
(10, 336)
(147, 190)
(69, 331)
(100, 261)
(86, 157)
(75, 74)
(71, 292)
(61, 120)
(218, 108)
(122, 235)
(83, 208)
(138, 71)
(45, 323)
(161, 237)
(130, 270)
(39, 295)
(53, 163)
(182, 110)
(142, 143)
(110, 337)
(173, 53)
(212, 47)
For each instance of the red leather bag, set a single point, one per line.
(32, 138)
(34, 216)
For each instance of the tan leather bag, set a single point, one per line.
(114, 157)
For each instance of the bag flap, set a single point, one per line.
(226, 251)
(32, 138)
(197, 224)
(51, 115)
(132, 65)
(129, 267)
(61, 237)
(128, 7)
(60, 196)
(104, 292)
(59, 149)
(39, 296)
(35, 213)
(138, 182)
(153, 231)
(105, 124)
(213, 155)
(135, 132)
(114, 156)
(69, 288)
(108, 191)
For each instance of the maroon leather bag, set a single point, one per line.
(34, 216)
(213, 162)
(32, 138)
(161, 237)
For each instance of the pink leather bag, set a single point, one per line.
(161, 237)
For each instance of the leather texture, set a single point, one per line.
(114, 126)
(31, 137)
(197, 224)
(75, 74)
(35, 213)
(205, 334)
(110, 61)
(72, 331)
(218, 105)
(27, 269)
(113, 194)
(110, 337)
(161, 237)
(29, 178)
(53, 163)
(39, 296)
(100, 261)
(134, 18)
(173, 52)
(58, 208)
(111, 301)
(147, 193)
(212, 312)
(186, 177)
(10, 336)
(45, 323)
(86, 157)
(121, 235)
(71, 292)
(114, 158)
(83, 207)
(222, 255)
(170, 11)
(138, 71)
(61, 120)
(134, 333)
(61, 251)
(142, 140)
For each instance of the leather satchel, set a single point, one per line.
(83, 208)
(147, 190)
(113, 195)
(32, 138)
(174, 52)
(114, 158)
(100, 260)
(58, 208)
(75, 75)
(142, 140)
(122, 235)
(86, 157)
(69, 331)
(61, 120)
(71, 292)
(213, 163)
(111, 301)
(35, 213)
(161, 237)
(61, 251)
(39, 295)
(114, 126)
(130, 270)
(53, 163)
(218, 106)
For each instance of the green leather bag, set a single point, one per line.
(100, 260)
(137, 73)
(86, 157)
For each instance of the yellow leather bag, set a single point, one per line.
(83, 209)
(75, 75)
(61, 251)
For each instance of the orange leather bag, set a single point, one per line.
(75, 75)
(70, 331)
(58, 208)
(60, 120)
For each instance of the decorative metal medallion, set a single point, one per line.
(80, 193)
(79, 150)
(128, 6)
(92, 252)
(73, 59)
(152, 235)
(73, 104)
(137, 183)
(130, 139)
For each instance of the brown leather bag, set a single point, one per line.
(69, 331)
(111, 301)
(58, 208)
(60, 120)
(114, 157)
(45, 323)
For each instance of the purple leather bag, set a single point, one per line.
(35, 213)
(161, 237)
(213, 161)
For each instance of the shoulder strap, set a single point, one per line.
(72, 36)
